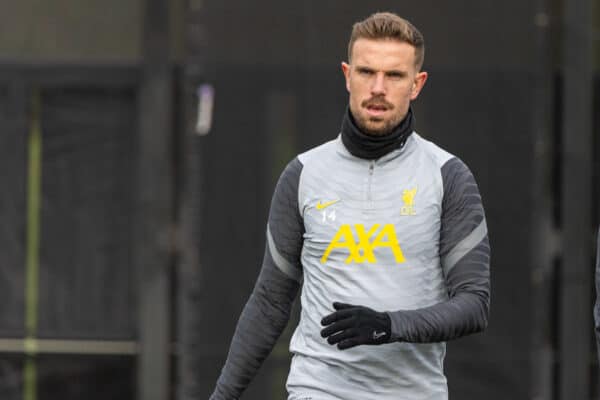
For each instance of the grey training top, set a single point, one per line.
(405, 234)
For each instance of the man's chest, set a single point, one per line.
(376, 218)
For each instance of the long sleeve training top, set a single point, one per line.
(404, 234)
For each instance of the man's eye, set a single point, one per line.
(365, 72)
(395, 75)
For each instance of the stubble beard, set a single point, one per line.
(373, 126)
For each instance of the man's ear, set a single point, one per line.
(346, 71)
(418, 84)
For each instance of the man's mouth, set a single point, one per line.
(376, 109)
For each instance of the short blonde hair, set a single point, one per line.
(386, 25)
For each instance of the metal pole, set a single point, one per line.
(154, 222)
(191, 297)
(575, 311)
(544, 243)
(32, 263)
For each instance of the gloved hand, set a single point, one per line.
(352, 325)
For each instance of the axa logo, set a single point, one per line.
(362, 251)
(408, 197)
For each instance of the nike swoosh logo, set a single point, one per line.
(377, 335)
(321, 206)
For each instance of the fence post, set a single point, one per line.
(153, 241)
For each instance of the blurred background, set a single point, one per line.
(140, 141)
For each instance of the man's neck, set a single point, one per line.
(372, 147)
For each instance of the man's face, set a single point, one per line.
(382, 79)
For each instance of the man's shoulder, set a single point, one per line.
(296, 166)
(318, 152)
(436, 153)
(452, 167)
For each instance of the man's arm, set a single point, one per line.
(465, 259)
(268, 309)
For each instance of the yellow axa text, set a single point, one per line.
(362, 251)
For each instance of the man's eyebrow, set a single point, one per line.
(392, 72)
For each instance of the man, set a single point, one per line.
(385, 234)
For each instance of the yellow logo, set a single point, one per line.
(408, 197)
(363, 250)
(321, 206)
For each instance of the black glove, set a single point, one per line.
(351, 326)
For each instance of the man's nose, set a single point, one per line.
(378, 86)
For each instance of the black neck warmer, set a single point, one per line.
(373, 147)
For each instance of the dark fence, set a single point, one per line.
(68, 293)
(492, 98)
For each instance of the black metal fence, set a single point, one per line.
(139, 225)
(68, 290)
